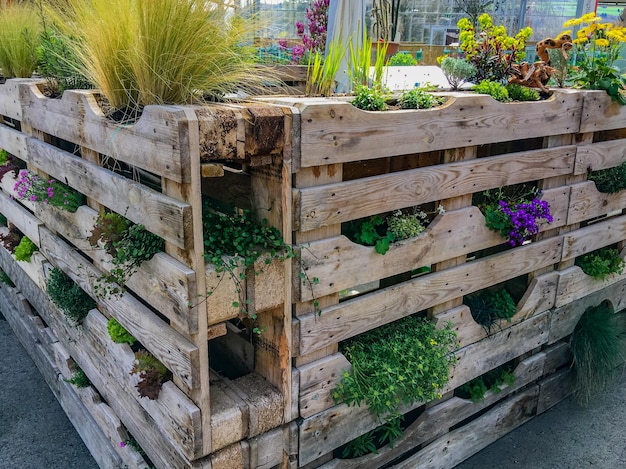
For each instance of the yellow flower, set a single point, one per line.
(590, 18)
(602, 42)
(580, 40)
(567, 32)
(572, 22)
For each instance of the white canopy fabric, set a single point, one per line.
(346, 18)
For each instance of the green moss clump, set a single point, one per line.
(25, 250)
(68, 296)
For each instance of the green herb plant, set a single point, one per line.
(152, 374)
(19, 37)
(402, 59)
(522, 93)
(79, 379)
(610, 180)
(369, 442)
(118, 333)
(490, 381)
(489, 306)
(25, 249)
(494, 89)
(597, 345)
(5, 279)
(601, 263)
(404, 362)
(457, 71)
(419, 98)
(69, 297)
(369, 99)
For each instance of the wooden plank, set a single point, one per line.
(164, 283)
(601, 113)
(20, 217)
(334, 131)
(326, 205)
(10, 103)
(587, 202)
(13, 141)
(317, 382)
(592, 237)
(600, 155)
(353, 317)
(574, 284)
(233, 188)
(554, 389)
(438, 419)
(458, 445)
(166, 217)
(336, 426)
(171, 348)
(151, 143)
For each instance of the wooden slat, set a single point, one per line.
(317, 382)
(20, 217)
(10, 104)
(151, 143)
(574, 284)
(555, 388)
(601, 113)
(587, 202)
(163, 282)
(353, 317)
(13, 141)
(162, 215)
(336, 132)
(170, 347)
(592, 237)
(601, 155)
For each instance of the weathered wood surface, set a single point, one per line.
(152, 143)
(334, 427)
(587, 202)
(372, 310)
(328, 204)
(592, 237)
(10, 103)
(574, 284)
(334, 131)
(553, 389)
(601, 155)
(600, 113)
(317, 382)
(20, 217)
(13, 141)
(166, 217)
(170, 347)
(163, 282)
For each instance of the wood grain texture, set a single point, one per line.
(592, 237)
(600, 155)
(10, 104)
(372, 310)
(600, 113)
(20, 217)
(327, 205)
(587, 202)
(13, 141)
(574, 284)
(164, 216)
(317, 382)
(151, 143)
(334, 131)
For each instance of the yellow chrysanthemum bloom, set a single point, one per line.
(580, 40)
(590, 18)
(567, 32)
(602, 42)
(572, 22)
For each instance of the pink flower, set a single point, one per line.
(122, 444)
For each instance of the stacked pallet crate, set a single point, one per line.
(310, 166)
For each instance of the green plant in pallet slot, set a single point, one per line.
(25, 250)
(3, 220)
(610, 180)
(79, 379)
(492, 380)
(29, 186)
(407, 361)
(4, 157)
(19, 36)
(521, 93)
(5, 279)
(476, 389)
(419, 98)
(402, 59)
(369, 442)
(490, 305)
(152, 374)
(369, 99)
(118, 333)
(601, 263)
(457, 71)
(494, 89)
(598, 346)
(68, 296)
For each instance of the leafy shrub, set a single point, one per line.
(402, 59)
(79, 379)
(494, 89)
(476, 389)
(68, 296)
(490, 305)
(610, 180)
(158, 51)
(152, 374)
(492, 380)
(4, 157)
(521, 93)
(406, 361)
(457, 71)
(406, 225)
(601, 263)
(418, 98)
(369, 99)
(597, 345)
(369, 442)
(118, 333)
(19, 36)
(25, 249)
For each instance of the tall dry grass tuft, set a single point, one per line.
(140, 52)
(19, 38)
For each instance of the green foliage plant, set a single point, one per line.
(490, 49)
(601, 263)
(322, 70)
(419, 98)
(597, 345)
(25, 249)
(79, 379)
(369, 442)
(494, 89)
(402, 59)
(3, 220)
(407, 224)
(596, 47)
(19, 37)
(360, 61)
(404, 362)
(68, 296)
(369, 99)
(30, 186)
(5, 279)
(4, 157)
(476, 389)
(158, 51)
(488, 306)
(118, 333)
(492, 381)
(521, 93)
(152, 374)
(610, 180)
(457, 71)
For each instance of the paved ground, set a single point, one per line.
(35, 434)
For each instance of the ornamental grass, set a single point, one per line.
(19, 38)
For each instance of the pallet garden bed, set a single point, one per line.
(312, 168)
